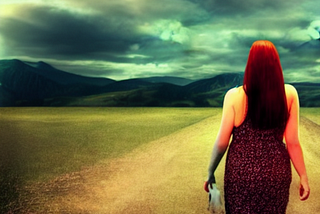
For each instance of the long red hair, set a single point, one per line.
(264, 85)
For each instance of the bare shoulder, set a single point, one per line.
(234, 91)
(290, 90)
(233, 95)
(292, 95)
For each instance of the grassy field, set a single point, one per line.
(39, 145)
(42, 143)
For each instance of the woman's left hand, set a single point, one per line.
(211, 180)
(304, 188)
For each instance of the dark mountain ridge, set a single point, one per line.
(30, 83)
(47, 71)
(226, 80)
(40, 84)
(168, 79)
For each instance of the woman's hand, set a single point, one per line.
(211, 180)
(304, 189)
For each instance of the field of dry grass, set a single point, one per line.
(165, 175)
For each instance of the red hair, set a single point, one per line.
(264, 85)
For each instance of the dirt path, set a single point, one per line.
(165, 176)
(310, 142)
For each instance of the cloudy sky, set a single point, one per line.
(195, 39)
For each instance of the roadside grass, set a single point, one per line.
(312, 114)
(39, 144)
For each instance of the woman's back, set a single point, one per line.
(258, 169)
(258, 115)
(240, 101)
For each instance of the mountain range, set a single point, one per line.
(40, 84)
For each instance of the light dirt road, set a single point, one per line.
(166, 176)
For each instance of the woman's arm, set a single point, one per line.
(293, 143)
(223, 138)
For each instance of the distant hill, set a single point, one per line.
(126, 85)
(25, 83)
(62, 77)
(168, 79)
(309, 93)
(40, 84)
(227, 80)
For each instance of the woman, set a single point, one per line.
(258, 115)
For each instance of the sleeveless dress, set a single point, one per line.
(258, 171)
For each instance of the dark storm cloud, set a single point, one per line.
(246, 8)
(52, 32)
(62, 33)
(135, 38)
(150, 10)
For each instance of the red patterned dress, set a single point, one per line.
(258, 171)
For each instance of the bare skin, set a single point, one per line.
(234, 112)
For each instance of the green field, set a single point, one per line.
(40, 144)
